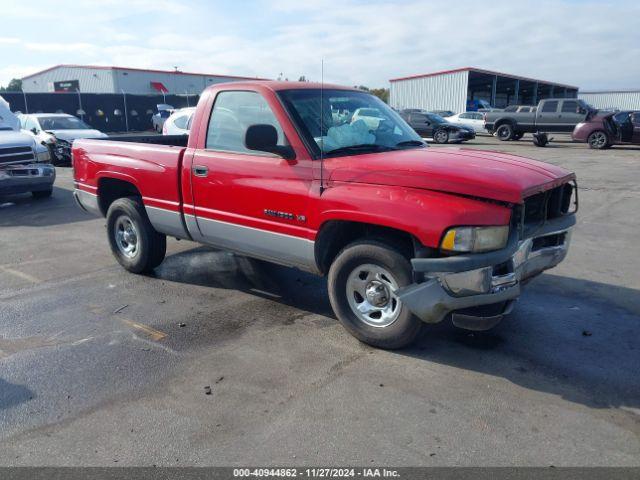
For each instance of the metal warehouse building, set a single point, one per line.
(452, 89)
(95, 79)
(620, 100)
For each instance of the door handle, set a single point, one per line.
(200, 170)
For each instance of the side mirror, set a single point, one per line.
(34, 130)
(264, 138)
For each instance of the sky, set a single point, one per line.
(586, 43)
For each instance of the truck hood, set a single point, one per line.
(70, 135)
(478, 173)
(10, 138)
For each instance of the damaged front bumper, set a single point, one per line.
(479, 289)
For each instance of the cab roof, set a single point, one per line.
(276, 85)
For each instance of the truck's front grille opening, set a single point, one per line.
(548, 205)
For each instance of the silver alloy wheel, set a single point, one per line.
(371, 295)
(598, 139)
(441, 136)
(126, 236)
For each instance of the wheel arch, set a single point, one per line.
(334, 235)
(505, 120)
(112, 188)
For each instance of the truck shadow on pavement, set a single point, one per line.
(24, 210)
(12, 394)
(567, 337)
(208, 267)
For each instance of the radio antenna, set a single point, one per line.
(321, 125)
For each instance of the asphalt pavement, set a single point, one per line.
(102, 367)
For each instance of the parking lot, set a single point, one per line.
(102, 367)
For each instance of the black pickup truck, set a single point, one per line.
(552, 115)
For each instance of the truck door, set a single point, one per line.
(247, 201)
(547, 116)
(571, 114)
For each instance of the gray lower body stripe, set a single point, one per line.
(167, 222)
(87, 201)
(253, 242)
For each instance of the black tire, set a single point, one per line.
(598, 140)
(400, 332)
(505, 132)
(517, 136)
(150, 246)
(441, 136)
(42, 193)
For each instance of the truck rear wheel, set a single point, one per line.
(362, 283)
(133, 240)
(505, 132)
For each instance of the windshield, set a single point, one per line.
(62, 123)
(351, 122)
(436, 118)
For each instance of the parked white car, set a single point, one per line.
(57, 131)
(371, 116)
(179, 123)
(157, 119)
(474, 120)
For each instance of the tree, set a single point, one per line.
(15, 85)
(381, 93)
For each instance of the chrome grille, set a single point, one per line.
(15, 155)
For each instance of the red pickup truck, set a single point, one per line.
(283, 171)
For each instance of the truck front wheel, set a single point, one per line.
(505, 132)
(133, 240)
(362, 283)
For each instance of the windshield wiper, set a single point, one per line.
(361, 148)
(411, 143)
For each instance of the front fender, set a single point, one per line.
(425, 214)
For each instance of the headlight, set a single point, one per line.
(475, 239)
(43, 156)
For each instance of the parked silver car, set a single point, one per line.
(24, 163)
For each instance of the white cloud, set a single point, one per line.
(591, 44)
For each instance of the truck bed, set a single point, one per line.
(172, 140)
(152, 163)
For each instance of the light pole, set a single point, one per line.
(126, 118)
(80, 104)
(26, 107)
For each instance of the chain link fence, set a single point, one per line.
(107, 112)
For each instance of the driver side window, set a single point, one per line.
(233, 112)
